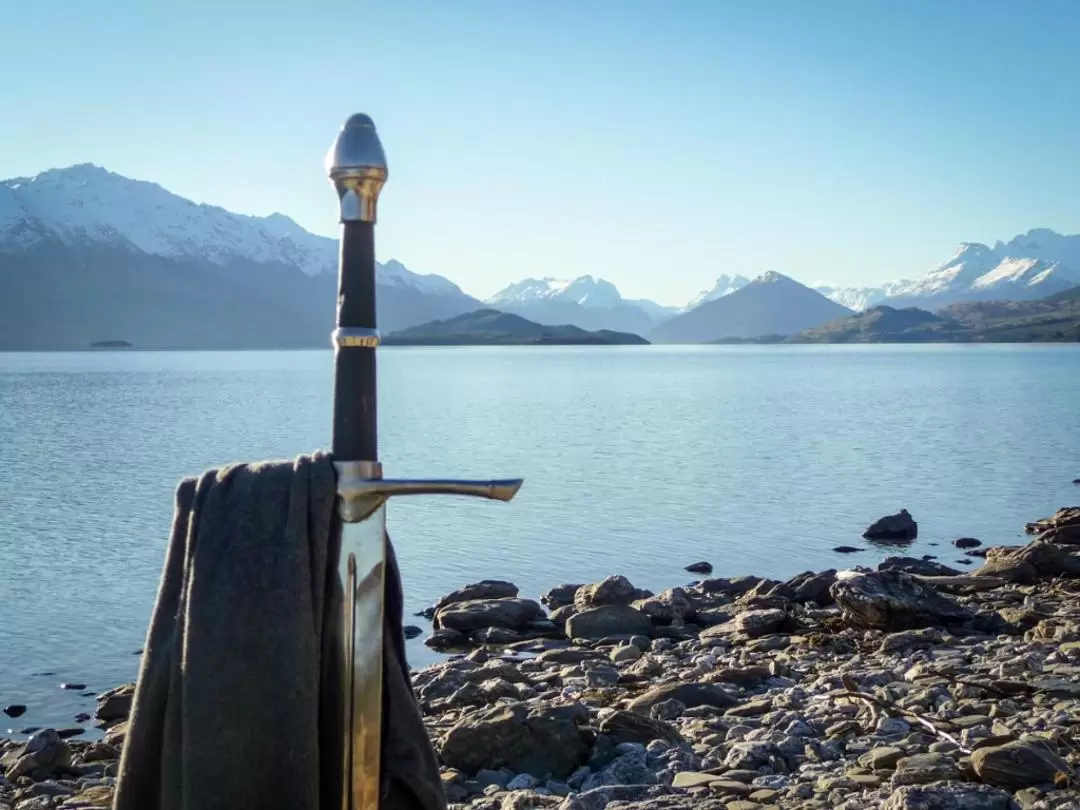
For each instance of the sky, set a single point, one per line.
(654, 144)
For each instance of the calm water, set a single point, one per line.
(637, 460)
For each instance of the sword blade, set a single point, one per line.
(362, 569)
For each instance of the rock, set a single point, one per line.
(847, 549)
(626, 653)
(729, 586)
(538, 741)
(949, 796)
(68, 733)
(628, 726)
(689, 694)
(411, 631)
(1019, 764)
(1010, 569)
(892, 600)
(73, 687)
(624, 797)
(99, 752)
(608, 620)
(747, 677)
(496, 635)
(672, 606)
(913, 565)
(485, 589)
(810, 587)
(477, 614)
(922, 769)
(630, 767)
(446, 639)
(901, 526)
(700, 568)
(560, 596)
(15, 710)
(758, 623)
(615, 590)
(40, 757)
(967, 542)
(1061, 527)
(115, 704)
(882, 758)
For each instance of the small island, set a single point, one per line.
(490, 327)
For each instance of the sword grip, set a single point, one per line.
(355, 415)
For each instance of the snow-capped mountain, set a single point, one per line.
(587, 302)
(120, 239)
(725, 285)
(1032, 265)
(771, 304)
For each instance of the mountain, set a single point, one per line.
(491, 327)
(586, 302)
(725, 285)
(771, 304)
(1028, 267)
(1055, 318)
(87, 255)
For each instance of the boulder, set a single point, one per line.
(901, 526)
(614, 590)
(115, 704)
(485, 589)
(893, 600)
(1061, 527)
(39, 758)
(608, 620)
(624, 726)
(544, 742)
(847, 549)
(689, 694)
(702, 567)
(446, 639)
(476, 614)
(560, 596)
(1011, 569)
(809, 586)
(967, 542)
(949, 796)
(672, 606)
(758, 623)
(729, 586)
(913, 565)
(1019, 764)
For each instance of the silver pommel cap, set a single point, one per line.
(357, 167)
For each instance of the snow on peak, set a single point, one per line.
(586, 291)
(725, 285)
(86, 202)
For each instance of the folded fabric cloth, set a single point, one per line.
(230, 710)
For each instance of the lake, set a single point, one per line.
(637, 460)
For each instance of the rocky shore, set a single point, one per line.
(910, 687)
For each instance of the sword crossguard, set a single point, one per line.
(362, 489)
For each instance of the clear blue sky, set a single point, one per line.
(656, 144)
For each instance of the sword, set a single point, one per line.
(356, 165)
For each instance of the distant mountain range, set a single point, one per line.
(1054, 319)
(1030, 266)
(771, 304)
(587, 302)
(87, 256)
(487, 327)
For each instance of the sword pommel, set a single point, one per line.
(357, 167)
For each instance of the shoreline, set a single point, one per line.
(907, 687)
